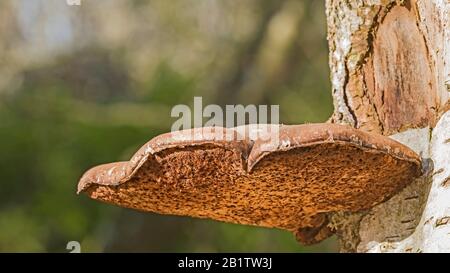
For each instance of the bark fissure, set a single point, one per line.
(442, 221)
(346, 100)
(446, 182)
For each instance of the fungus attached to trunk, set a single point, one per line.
(290, 180)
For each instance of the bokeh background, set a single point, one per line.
(85, 85)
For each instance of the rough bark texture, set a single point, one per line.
(390, 74)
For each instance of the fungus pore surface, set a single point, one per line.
(289, 180)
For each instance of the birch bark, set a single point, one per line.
(390, 73)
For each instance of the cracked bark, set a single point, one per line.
(390, 74)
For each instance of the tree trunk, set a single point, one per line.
(390, 72)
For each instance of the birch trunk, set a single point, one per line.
(390, 72)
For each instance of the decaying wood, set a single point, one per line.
(390, 74)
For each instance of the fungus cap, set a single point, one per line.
(288, 179)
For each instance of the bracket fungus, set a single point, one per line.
(290, 181)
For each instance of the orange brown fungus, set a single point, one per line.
(289, 182)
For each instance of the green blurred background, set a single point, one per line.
(85, 85)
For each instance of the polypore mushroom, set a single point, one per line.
(288, 179)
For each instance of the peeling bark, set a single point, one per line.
(390, 74)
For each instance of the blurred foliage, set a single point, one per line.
(81, 86)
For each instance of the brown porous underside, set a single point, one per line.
(288, 181)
